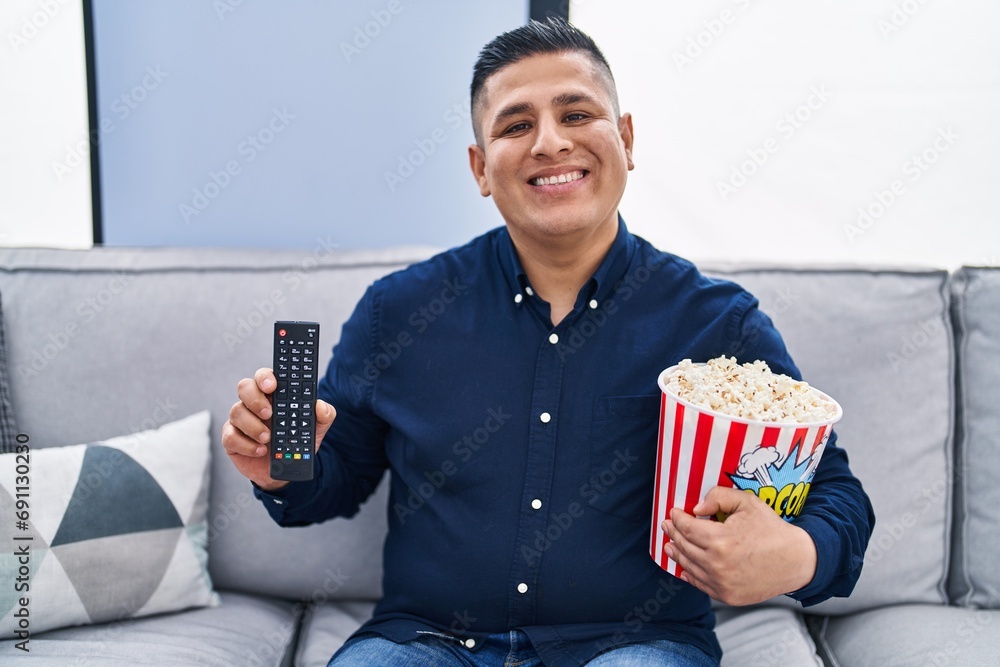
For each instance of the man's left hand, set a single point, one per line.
(751, 556)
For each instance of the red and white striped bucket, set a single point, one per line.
(699, 448)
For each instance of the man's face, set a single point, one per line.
(553, 156)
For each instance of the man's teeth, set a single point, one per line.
(561, 178)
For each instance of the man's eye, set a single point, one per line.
(515, 128)
(575, 116)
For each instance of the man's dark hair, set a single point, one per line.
(555, 35)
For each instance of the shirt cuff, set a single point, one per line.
(286, 499)
(826, 540)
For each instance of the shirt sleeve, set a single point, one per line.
(837, 514)
(351, 460)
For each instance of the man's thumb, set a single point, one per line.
(719, 500)
(325, 414)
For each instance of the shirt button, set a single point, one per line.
(470, 643)
(593, 304)
(536, 504)
(518, 298)
(529, 291)
(545, 417)
(522, 588)
(553, 338)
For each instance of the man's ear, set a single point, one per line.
(625, 130)
(477, 162)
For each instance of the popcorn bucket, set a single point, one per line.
(699, 448)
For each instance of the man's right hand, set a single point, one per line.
(247, 432)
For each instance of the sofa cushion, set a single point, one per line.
(880, 343)
(749, 637)
(910, 635)
(326, 627)
(243, 630)
(117, 529)
(8, 431)
(185, 325)
(975, 577)
(760, 637)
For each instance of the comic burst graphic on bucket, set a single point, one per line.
(699, 448)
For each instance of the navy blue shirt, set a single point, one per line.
(522, 455)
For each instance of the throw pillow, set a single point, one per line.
(115, 529)
(8, 432)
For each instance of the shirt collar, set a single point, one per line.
(609, 272)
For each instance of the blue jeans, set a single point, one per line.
(506, 649)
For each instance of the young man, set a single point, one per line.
(529, 397)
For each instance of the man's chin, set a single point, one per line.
(554, 227)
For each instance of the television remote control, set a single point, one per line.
(293, 403)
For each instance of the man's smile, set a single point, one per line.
(559, 178)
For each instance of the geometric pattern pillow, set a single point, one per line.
(116, 529)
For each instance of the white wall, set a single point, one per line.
(711, 84)
(44, 147)
(833, 131)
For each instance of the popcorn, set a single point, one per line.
(749, 391)
(740, 427)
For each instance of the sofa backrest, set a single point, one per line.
(879, 342)
(975, 577)
(115, 340)
(112, 341)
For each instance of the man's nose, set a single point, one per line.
(551, 138)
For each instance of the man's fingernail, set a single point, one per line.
(261, 451)
(267, 383)
(264, 437)
(265, 413)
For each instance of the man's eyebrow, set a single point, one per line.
(512, 110)
(569, 99)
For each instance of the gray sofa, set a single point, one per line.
(110, 342)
